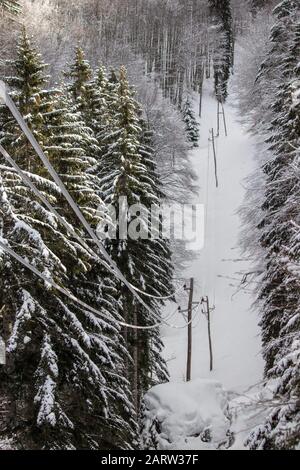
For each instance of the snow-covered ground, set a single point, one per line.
(201, 415)
(236, 342)
(6, 444)
(179, 408)
(190, 415)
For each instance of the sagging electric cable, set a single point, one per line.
(75, 299)
(156, 297)
(68, 227)
(113, 267)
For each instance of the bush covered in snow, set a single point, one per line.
(191, 415)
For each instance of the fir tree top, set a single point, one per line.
(28, 68)
(28, 81)
(80, 72)
(101, 77)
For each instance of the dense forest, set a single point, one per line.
(112, 91)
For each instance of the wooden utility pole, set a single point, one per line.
(190, 331)
(224, 120)
(219, 113)
(207, 313)
(215, 156)
(2, 342)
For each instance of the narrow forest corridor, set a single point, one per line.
(217, 273)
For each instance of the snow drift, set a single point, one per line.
(190, 415)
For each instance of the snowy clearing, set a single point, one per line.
(200, 415)
(186, 416)
(218, 270)
(236, 336)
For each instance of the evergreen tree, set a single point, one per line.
(126, 168)
(115, 118)
(279, 291)
(101, 104)
(64, 381)
(220, 12)
(129, 171)
(28, 92)
(80, 74)
(191, 124)
(90, 96)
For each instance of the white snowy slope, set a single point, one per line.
(6, 444)
(218, 270)
(236, 337)
(190, 415)
(201, 415)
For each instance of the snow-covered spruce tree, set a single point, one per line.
(33, 414)
(191, 124)
(112, 87)
(100, 104)
(92, 98)
(280, 235)
(115, 117)
(80, 73)
(96, 287)
(92, 94)
(129, 171)
(220, 13)
(74, 157)
(28, 93)
(64, 382)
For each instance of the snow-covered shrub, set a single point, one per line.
(191, 415)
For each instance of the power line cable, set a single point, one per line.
(75, 299)
(113, 268)
(68, 227)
